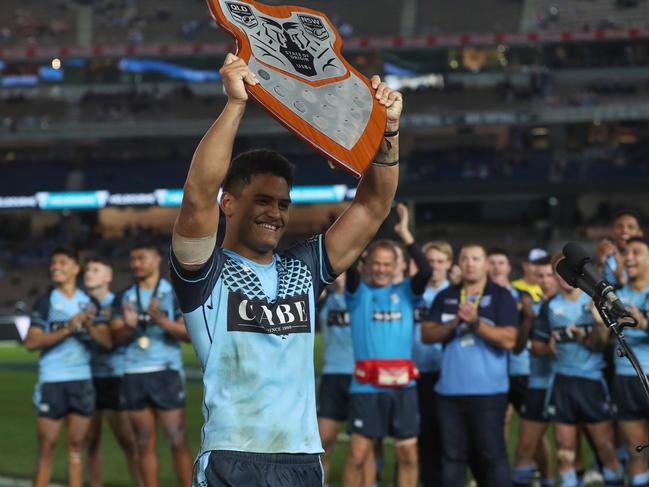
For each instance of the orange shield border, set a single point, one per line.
(305, 82)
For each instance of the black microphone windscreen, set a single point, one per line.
(565, 270)
(576, 255)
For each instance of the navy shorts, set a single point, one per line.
(164, 389)
(108, 393)
(333, 396)
(576, 399)
(629, 398)
(55, 400)
(517, 388)
(392, 413)
(533, 407)
(224, 468)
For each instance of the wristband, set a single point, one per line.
(385, 164)
(391, 133)
(473, 326)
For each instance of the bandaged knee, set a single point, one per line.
(566, 455)
(192, 252)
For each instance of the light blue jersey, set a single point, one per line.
(69, 359)
(163, 350)
(575, 359)
(608, 272)
(253, 326)
(107, 363)
(636, 338)
(519, 363)
(427, 356)
(336, 335)
(541, 367)
(382, 320)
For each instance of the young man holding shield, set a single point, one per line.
(249, 309)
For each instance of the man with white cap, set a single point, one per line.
(528, 283)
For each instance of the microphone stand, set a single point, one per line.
(624, 350)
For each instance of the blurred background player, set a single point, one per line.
(333, 394)
(631, 404)
(147, 321)
(64, 322)
(382, 323)
(533, 450)
(107, 372)
(610, 251)
(527, 283)
(477, 323)
(428, 358)
(577, 392)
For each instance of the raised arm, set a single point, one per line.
(199, 212)
(354, 229)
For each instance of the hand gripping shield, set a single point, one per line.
(304, 82)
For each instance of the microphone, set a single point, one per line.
(585, 273)
(571, 277)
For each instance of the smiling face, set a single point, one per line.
(624, 228)
(257, 216)
(63, 269)
(636, 260)
(381, 265)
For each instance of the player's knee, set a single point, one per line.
(47, 446)
(74, 457)
(357, 457)
(176, 436)
(566, 456)
(407, 452)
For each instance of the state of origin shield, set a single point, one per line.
(304, 82)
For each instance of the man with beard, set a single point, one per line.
(147, 321)
(477, 322)
(250, 310)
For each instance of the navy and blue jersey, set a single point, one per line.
(382, 321)
(107, 363)
(336, 335)
(69, 359)
(471, 365)
(427, 356)
(519, 363)
(575, 359)
(636, 338)
(253, 326)
(541, 367)
(163, 351)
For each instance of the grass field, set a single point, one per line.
(18, 432)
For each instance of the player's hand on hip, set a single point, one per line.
(235, 75)
(391, 100)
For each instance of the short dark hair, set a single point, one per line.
(253, 162)
(98, 259)
(497, 251)
(145, 245)
(67, 251)
(547, 260)
(638, 239)
(628, 212)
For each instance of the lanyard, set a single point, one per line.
(476, 301)
(140, 309)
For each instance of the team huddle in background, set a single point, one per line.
(435, 358)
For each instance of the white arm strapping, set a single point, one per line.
(192, 253)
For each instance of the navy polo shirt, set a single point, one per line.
(470, 365)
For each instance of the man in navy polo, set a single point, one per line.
(477, 321)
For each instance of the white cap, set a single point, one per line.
(536, 254)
